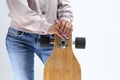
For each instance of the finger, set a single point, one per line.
(66, 37)
(62, 26)
(57, 22)
(68, 29)
(58, 26)
(65, 28)
(57, 33)
(71, 30)
(70, 33)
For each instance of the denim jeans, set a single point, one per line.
(21, 47)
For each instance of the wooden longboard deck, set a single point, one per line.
(62, 64)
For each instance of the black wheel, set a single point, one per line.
(80, 42)
(45, 41)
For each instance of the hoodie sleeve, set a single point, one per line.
(65, 10)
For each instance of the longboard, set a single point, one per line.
(62, 63)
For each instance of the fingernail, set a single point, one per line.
(67, 37)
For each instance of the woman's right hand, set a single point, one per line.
(54, 29)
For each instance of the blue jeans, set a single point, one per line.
(21, 47)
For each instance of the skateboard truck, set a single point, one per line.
(79, 42)
(63, 43)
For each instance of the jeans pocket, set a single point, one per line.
(14, 33)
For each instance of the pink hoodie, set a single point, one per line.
(36, 16)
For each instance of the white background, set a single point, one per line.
(99, 22)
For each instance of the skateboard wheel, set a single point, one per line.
(80, 42)
(45, 41)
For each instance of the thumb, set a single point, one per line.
(57, 22)
(59, 35)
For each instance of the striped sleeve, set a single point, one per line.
(65, 10)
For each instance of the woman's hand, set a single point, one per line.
(54, 29)
(62, 28)
(65, 28)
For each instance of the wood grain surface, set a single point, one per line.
(62, 64)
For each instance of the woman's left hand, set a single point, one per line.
(65, 28)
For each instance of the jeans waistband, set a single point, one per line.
(18, 31)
